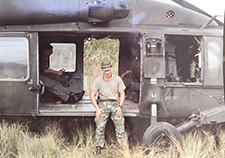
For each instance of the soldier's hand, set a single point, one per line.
(61, 71)
(99, 112)
(119, 112)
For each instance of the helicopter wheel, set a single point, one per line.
(161, 135)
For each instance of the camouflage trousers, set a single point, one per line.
(55, 87)
(109, 108)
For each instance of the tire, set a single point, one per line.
(161, 135)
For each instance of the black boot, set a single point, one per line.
(78, 96)
(70, 100)
(73, 98)
(98, 150)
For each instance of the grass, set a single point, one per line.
(74, 138)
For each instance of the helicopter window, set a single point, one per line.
(14, 58)
(183, 58)
(64, 56)
(214, 59)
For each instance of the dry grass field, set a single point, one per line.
(74, 138)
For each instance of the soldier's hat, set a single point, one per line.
(105, 64)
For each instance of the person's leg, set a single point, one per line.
(52, 76)
(100, 125)
(119, 125)
(55, 88)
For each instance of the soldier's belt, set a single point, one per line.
(110, 100)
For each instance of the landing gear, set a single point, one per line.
(161, 135)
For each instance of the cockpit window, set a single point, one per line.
(14, 58)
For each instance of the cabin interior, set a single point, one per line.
(183, 58)
(80, 56)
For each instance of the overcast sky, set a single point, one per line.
(213, 7)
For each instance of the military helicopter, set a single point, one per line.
(181, 52)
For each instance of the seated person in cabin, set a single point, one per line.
(61, 92)
(51, 79)
(45, 69)
(134, 75)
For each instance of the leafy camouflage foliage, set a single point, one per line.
(95, 51)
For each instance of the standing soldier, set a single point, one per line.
(108, 87)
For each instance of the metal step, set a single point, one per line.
(82, 108)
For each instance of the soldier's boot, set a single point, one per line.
(98, 150)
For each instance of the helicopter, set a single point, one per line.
(181, 59)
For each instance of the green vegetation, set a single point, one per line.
(74, 138)
(95, 51)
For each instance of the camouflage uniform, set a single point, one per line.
(55, 87)
(108, 92)
(109, 108)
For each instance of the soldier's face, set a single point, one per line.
(106, 70)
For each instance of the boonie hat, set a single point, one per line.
(105, 63)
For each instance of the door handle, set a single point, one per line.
(32, 88)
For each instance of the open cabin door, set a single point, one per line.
(18, 73)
